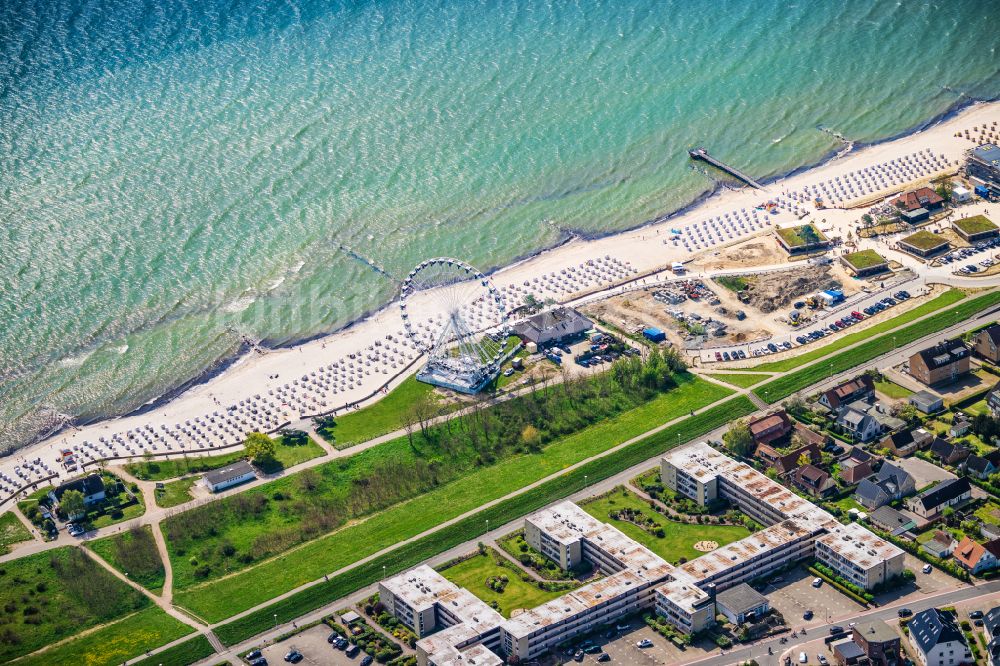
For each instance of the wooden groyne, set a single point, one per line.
(702, 154)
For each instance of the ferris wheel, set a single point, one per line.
(454, 314)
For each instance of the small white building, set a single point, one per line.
(229, 476)
(960, 194)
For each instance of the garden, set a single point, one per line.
(675, 542)
(501, 584)
(121, 503)
(515, 546)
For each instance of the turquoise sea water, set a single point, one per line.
(176, 173)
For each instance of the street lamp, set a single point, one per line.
(383, 572)
(487, 525)
(275, 620)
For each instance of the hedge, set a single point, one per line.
(835, 582)
(410, 554)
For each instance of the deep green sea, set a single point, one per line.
(176, 174)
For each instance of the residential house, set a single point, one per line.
(552, 325)
(847, 652)
(991, 627)
(859, 388)
(879, 641)
(947, 453)
(926, 402)
(979, 467)
(769, 428)
(889, 520)
(986, 343)
(786, 459)
(941, 545)
(942, 363)
(989, 531)
(977, 557)
(930, 503)
(937, 639)
(906, 442)
(860, 426)
(960, 425)
(856, 466)
(90, 486)
(814, 481)
(993, 400)
(890, 483)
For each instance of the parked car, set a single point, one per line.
(352, 650)
(808, 615)
(593, 649)
(803, 658)
(644, 643)
(772, 347)
(254, 654)
(904, 612)
(259, 661)
(821, 659)
(836, 630)
(578, 655)
(367, 661)
(293, 657)
(604, 657)
(75, 530)
(718, 356)
(927, 569)
(817, 582)
(975, 615)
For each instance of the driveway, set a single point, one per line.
(923, 472)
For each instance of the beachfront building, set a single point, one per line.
(802, 238)
(865, 263)
(231, 475)
(552, 326)
(924, 244)
(454, 626)
(983, 166)
(974, 229)
(917, 205)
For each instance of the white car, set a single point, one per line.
(927, 569)
(644, 643)
(803, 658)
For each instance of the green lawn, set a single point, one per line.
(741, 379)
(190, 651)
(977, 408)
(108, 518)
(115, 643)
(735, 283)
(50, 596)
(783, 387)
(216, 601)
(473, 573)
(286, 455)
(679, 538)
(12, 531)
(941, 301)
(133, 553)
(175, 492)
(848, 503)
(387, 415)
(408, 555)
(989, 513)
(893, 390)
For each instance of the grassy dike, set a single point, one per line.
(783, 387)
(221, 598)
(410, 554)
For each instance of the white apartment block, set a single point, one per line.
(467, 629)
(470, 633)
(799, 529)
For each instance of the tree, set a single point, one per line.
(803, 460)
(72, 503)
(259, 447)
(531, 438)
(738, 439)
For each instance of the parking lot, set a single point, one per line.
(794, 595)
(314, 648)
(923, 472)
(622, 649)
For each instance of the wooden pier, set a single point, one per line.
(702, 154)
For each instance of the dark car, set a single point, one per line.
(252, 655)
(293, 657)
(836, 630)
(604, 657)
(975, 615)
(808, 615)
(332, 638)
(367, 661)
(773, 347)
(353, 650)
(904, 612)
(801, 340)
(593, 649)
(259, 661)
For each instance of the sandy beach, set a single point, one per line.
(604, 263)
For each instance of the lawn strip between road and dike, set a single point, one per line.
(224, 597)
(467, 529)
(190, 651)
(943, 300)
(783, 387)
